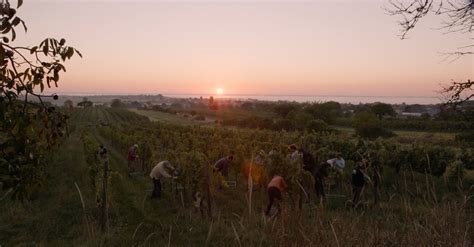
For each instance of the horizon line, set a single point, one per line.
(264, 95)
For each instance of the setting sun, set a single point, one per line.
(220, 91)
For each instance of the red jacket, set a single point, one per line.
(278, 182)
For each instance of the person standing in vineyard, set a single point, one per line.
(255, 171)
(359, 179)
(274, 151)
(131, 158)
(276, 186)
(161, 170)
(222, 165)
(294, 153)
(260, 158)
(320, 173)
(308, 161)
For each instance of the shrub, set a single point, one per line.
(367, 125)
(466, 138)
(283, 124)
(318, 125)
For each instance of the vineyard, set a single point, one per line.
(421, 192)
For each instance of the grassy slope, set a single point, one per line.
(56, 217)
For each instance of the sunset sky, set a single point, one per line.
(244, 47)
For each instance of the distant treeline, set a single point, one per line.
(416, 124)
(369, 120)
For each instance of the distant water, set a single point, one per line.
(324, 98)
(424, 100)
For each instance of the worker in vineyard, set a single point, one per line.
(164, 169)
(359, 178)
(260, 158)
(254, 172)
(294, 152)
(308, 160)
(132, 157)
(274, 151)
(320, 173)
(338, 164)
(222, 165)
(274, 189)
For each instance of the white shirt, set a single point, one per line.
(161, 170)
(339, 164)
(295, 155)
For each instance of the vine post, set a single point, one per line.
(104, 210)
(208, 188)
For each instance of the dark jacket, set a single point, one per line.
(308, 161)
(222, 165)
(321, 171)
(358, 178)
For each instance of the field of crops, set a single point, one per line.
(418, 197)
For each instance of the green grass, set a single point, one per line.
(55, 215)
(170, 118)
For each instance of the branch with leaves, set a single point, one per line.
(29, 129)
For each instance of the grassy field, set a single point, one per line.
(171, 118)
(56, 217)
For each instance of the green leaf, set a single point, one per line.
(78, 53)
(24, 26)
(62, 67)
(46, 47)
(8, 27)
(13, 34)
(56, 76)
(20, 2)
(16, 21)
(26, 73)
(70, 52)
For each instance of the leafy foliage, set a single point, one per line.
(29, 127)
(382, 109)
(116, 103)
(368, 125)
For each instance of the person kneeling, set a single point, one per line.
(161, 170)
(276, 186)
